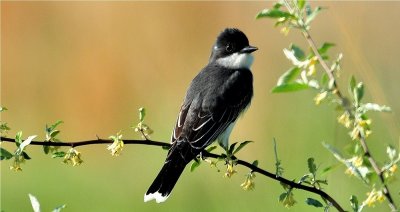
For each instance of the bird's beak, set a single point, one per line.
(248, 49)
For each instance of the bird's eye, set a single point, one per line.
(229, 48)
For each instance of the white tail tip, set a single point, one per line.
(157, 196)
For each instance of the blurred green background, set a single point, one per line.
(93, 64)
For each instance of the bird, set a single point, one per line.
(216, 97)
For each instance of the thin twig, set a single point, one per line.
(254, 168)
(343, 101)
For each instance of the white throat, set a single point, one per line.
(236, 60)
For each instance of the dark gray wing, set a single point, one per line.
(210, 107)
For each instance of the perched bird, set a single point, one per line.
(216, 97)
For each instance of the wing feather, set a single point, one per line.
(204, 115)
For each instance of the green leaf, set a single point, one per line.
(2, 109)
(328, 169)
(338, 155)
(298, 52)
(58, 208)
(26, 156)
(58, 154)
(287, 199)
(304, 178)
(324, 79)
(277, 5)
(359, 92)
(311, 166)
(142, 114)
(51, 134)
(322, 182)
(300, 4)
(290, 54)
(361, 172)
(312, 16)
(26, 142)
(290, 87)
(54, 133)
(255, 163)
(4, 127)
(22, 145)
(354, 203)
(53, 126)
(241, 145)
(282, 197)
(18, 138)
(352, 85)
(314, 202)
(195, 164)
(289, 76)
(46, 149)
(273, 13)
(211, 148)
(4, 154)
(308, 9)
(281, 21)
(232, 148)
(35, 203)
(325, 47)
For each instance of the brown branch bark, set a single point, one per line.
(252, 167)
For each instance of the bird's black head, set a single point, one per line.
(232, 49)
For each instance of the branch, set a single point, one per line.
(344, 101)
(252, 167)
(91, 142)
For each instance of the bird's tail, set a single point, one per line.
(165, 181)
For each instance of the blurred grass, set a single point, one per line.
(93, 64)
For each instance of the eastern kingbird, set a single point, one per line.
(215, 99)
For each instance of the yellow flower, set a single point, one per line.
(229, 171)
(390, 172)
(117, 146)
(393, 168)
(311, 66)
(364, 127)
(380, 196)
(320, 96)
(357, 161)
(285, 30)
(73, 157)
(373, 197)
(18, 159)
(144, 129)
(365, 123)
(367, 133)
(355, 133)
(344, 119)
(349, 171)
(248, 184)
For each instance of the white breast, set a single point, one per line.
(236, 60)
